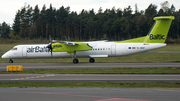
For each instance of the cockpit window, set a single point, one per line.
(14, 48)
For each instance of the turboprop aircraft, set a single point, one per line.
(64, 49)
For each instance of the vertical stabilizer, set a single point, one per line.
(159, 31)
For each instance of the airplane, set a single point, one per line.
(64, 49)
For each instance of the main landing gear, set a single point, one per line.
(10, 61)
(75, 61)
(91, 60)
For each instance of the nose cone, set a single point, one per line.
(4, 56)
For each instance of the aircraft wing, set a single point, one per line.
(69, 47)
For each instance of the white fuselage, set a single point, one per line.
(100, 49)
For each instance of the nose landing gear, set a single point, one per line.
(10, 61)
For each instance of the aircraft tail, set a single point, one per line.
(159, 31)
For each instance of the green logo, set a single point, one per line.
(55, 46)
(157, 37)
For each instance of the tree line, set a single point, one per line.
(110, 24)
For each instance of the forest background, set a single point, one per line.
(62, 24)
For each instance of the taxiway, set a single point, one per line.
(88, 65)
(88, 94)
(87, 78)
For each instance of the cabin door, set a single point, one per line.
(113, 49)
(24, 51)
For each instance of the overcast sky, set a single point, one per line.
(8, 8)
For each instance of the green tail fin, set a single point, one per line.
(157, 34)
(159, 31)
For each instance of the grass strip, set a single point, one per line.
(169, 70)
(91, 84)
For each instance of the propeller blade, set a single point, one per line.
(51, 52)
(50, 48)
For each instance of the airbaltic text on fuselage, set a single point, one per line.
(157, 37)
(37, 49)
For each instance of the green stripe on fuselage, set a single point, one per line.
(135, 40)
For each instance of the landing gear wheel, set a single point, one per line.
(10, 61)
(75, 61)
(91, 60)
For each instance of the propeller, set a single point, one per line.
(49, 46)
(50, 49)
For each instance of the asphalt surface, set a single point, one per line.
(88, 94)
(87, 78)
(2, 53)
(88, 65)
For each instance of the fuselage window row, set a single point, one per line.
(101, 49)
